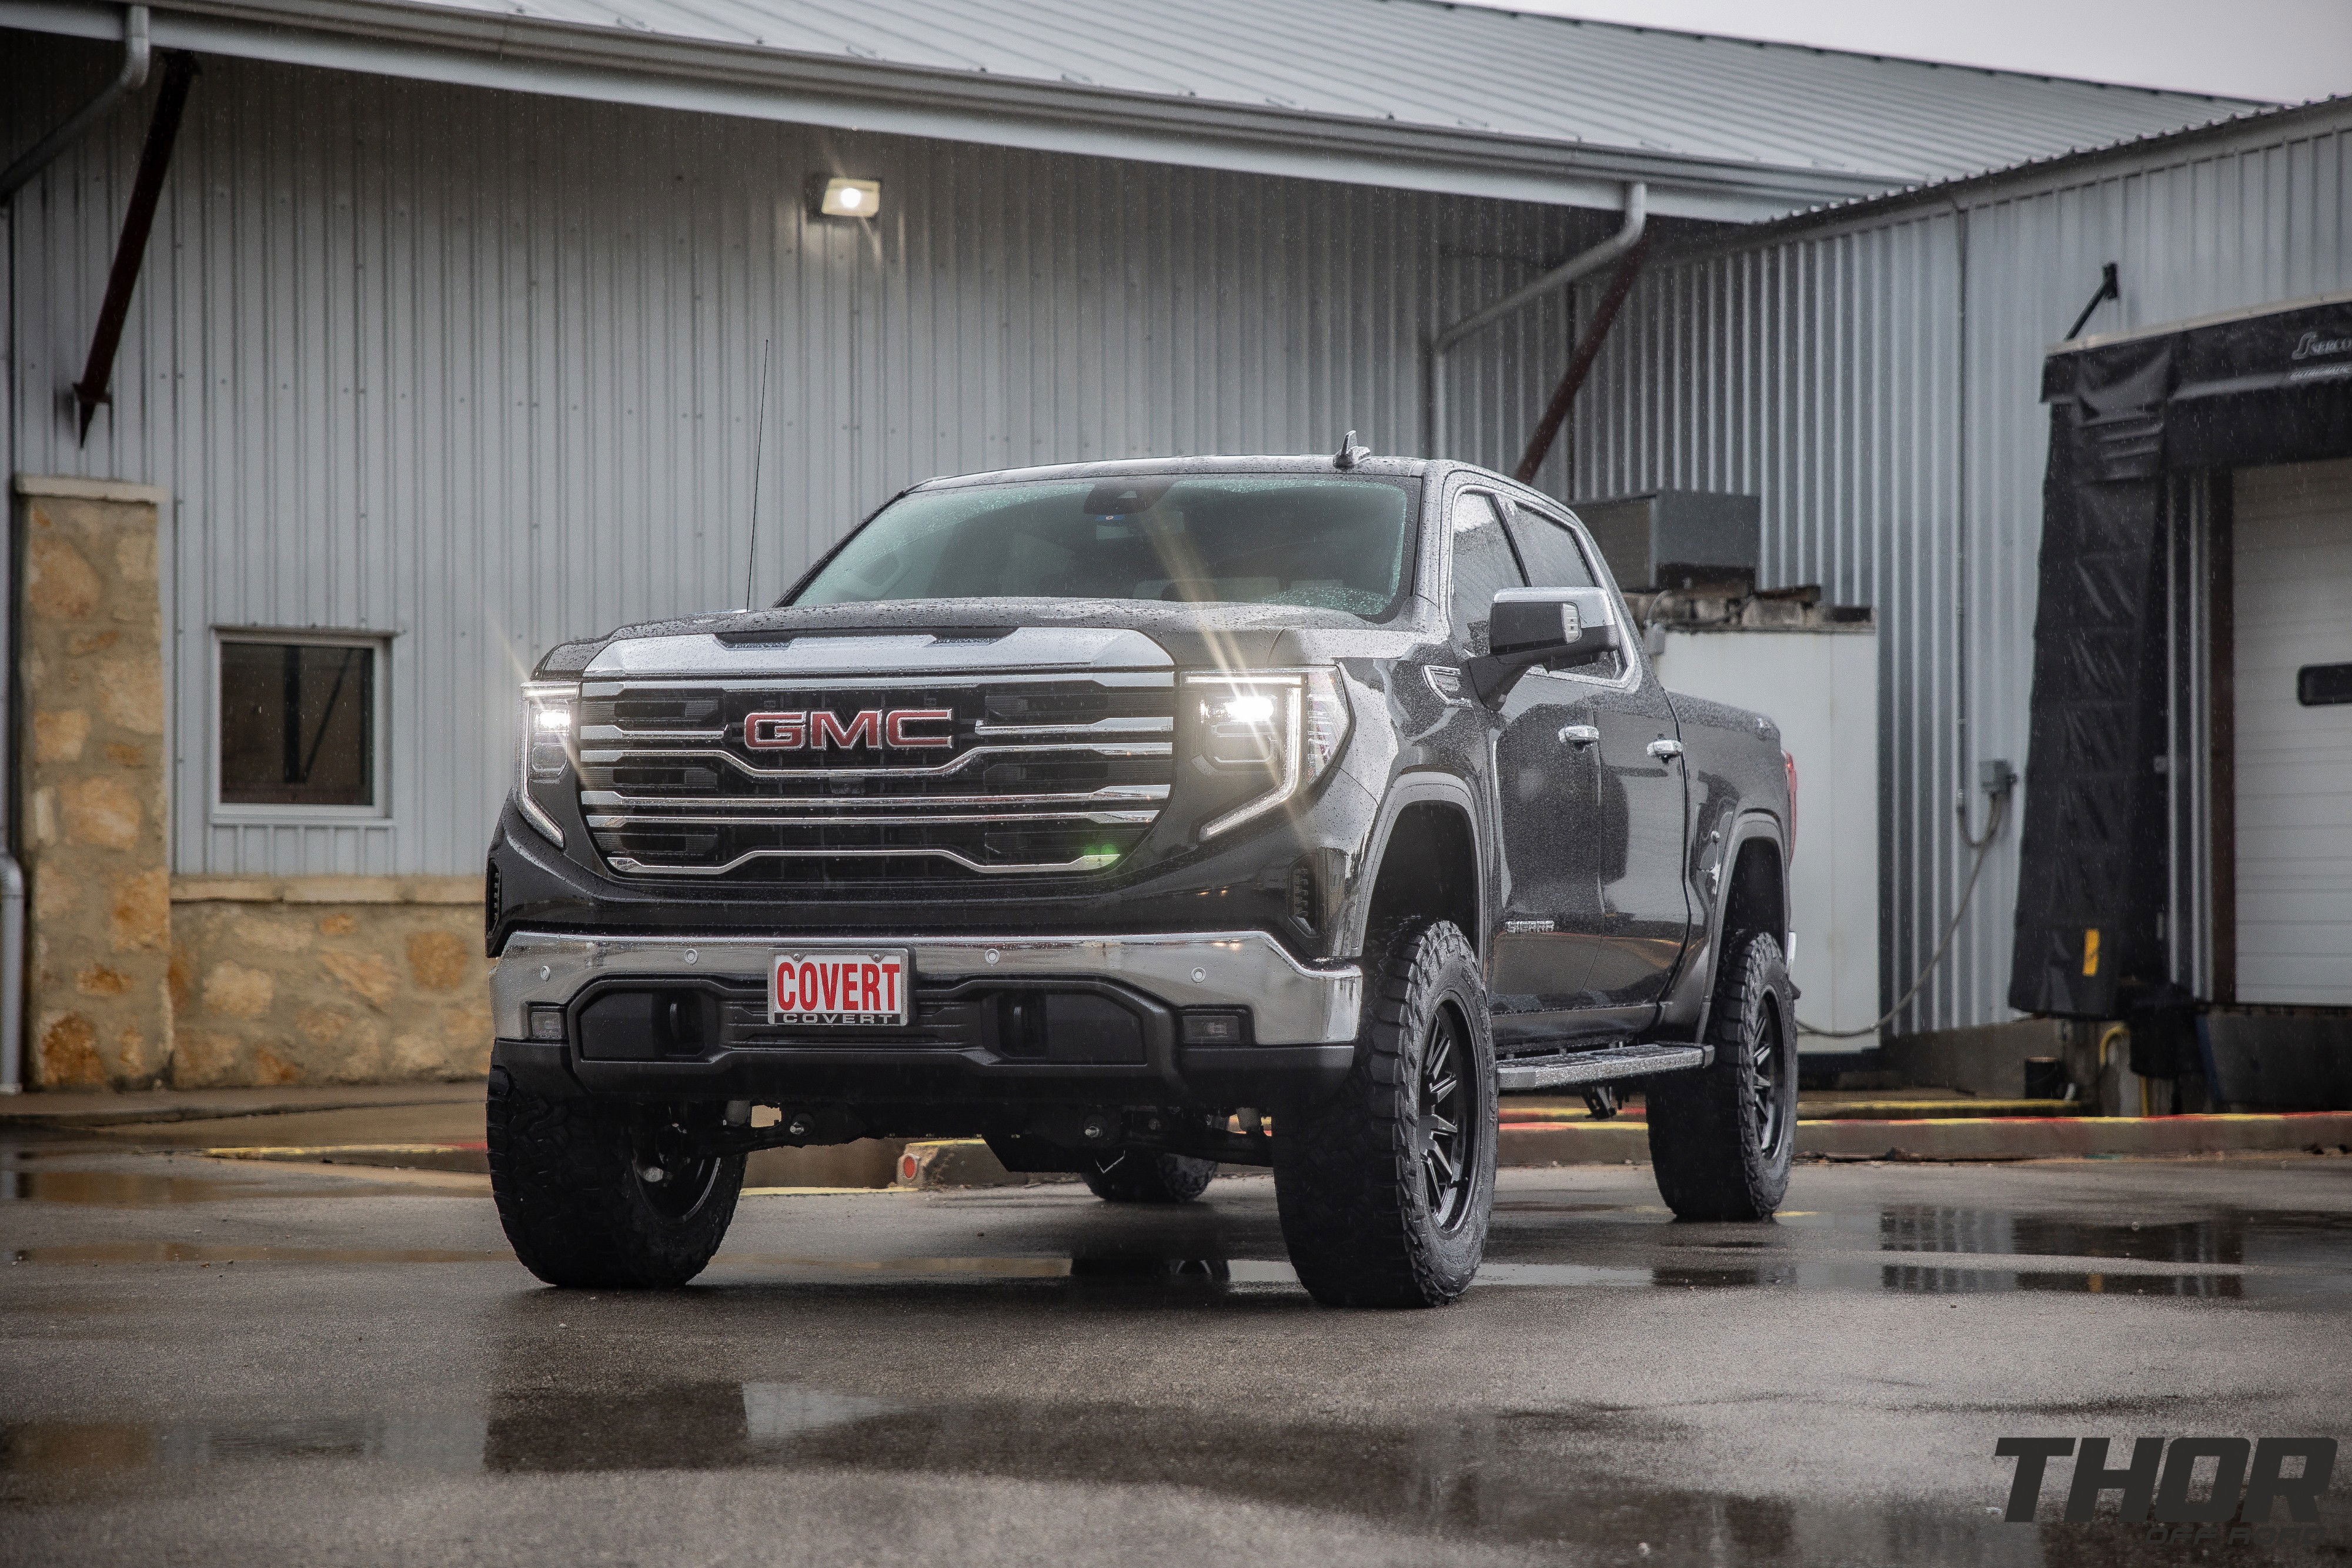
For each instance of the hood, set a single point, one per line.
(1191, 636)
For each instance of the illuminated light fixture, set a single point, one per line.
(834, 196)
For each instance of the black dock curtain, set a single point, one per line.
(2273, 388)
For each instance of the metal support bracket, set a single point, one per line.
(155, 161)
(2109, 289)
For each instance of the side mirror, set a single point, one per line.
(1558, 628)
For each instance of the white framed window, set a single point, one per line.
(299, 726)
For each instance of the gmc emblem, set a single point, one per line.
(874, 726)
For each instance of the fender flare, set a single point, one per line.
(1414, 788)
(1754, 823)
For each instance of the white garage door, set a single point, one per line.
(2294, 662)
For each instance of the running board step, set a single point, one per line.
(1603, 1066)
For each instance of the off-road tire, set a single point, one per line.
(564, 1172)
(1721, 1138)
(1144, 1175)
(1349, 1177)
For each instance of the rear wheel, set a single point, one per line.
(1722, 1138)
(607, 1195)
(1385, 1189)
(1141, 1176)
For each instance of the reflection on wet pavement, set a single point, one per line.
(1509, 1476)
(1505, 1477)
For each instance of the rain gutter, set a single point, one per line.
(127, 79)
(1628, 234)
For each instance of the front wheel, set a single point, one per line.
(1722, 1138)
(1385, 1189)
(592, 1194)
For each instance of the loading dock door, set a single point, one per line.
(2292, 549)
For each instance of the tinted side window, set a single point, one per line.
(1555, 560)
(1550, 551)
(1483, 566)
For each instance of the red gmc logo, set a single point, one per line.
(874, 726)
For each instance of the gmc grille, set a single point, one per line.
(1043, 774)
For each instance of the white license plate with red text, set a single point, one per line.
(852, 988)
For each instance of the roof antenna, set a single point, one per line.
(759, 433)
(1349, 454)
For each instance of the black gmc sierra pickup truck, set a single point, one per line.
(1135, 816)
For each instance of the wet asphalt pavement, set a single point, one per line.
(209, 1362)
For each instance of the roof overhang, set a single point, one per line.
(610, 64)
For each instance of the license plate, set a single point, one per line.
(839, 989)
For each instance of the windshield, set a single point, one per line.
(1233, 538)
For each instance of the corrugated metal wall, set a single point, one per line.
(481, 371)
(1876, 380)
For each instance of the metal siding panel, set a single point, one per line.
(481, 371)
(1866, 370)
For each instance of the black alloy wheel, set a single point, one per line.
(1448, 1131)
(674, 1176)
(1767, 1113)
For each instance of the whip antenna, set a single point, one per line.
(759, 435)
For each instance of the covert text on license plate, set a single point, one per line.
(850, 989)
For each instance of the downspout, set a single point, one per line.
(1628, 234)
(131, 75)
(12, 974)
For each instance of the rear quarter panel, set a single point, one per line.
(1737, 790)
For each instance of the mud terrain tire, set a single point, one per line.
(1385, 1189)
(1721, 1138)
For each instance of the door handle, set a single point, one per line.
(1578, 736)
(1664, 750)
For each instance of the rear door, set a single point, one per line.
(1632, 925)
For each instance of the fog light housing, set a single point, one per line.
(545, 1022)
(1216, 1026)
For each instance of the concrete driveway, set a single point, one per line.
(206, 1361)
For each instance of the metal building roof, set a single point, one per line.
(1414, 93)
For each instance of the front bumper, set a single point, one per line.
(1302, 1019)
(1289, 1003)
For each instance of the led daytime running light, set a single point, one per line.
(1304, 721)
(546, 748)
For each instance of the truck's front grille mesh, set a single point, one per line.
(870, 781)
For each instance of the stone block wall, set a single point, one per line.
(328, 980)
(92, 781)
(136, 979)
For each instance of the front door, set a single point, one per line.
(1543, 784)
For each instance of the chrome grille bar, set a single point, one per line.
(886, 802)
(1083, 863)
(607, 759)
(994, 819)
(1084, 760)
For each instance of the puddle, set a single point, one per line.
(2222, 1239)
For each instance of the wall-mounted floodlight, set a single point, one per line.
(835, 197)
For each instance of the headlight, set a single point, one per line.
(1288, 723)
(547, 748)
